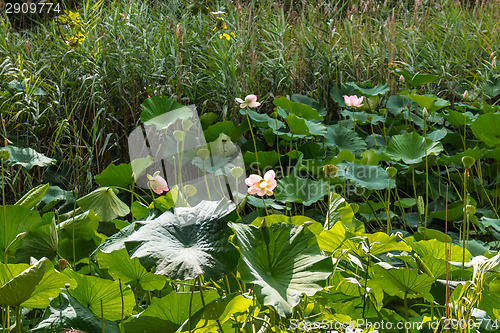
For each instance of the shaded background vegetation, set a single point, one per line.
(78, 104)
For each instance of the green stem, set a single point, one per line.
(253, 139)
(5, 258)
(264, 202)
(19, 324)
(206, 182)
(426, 174)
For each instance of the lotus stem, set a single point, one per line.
(253, 139)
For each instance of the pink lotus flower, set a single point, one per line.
(353, 101)
(157, 183)
(261, 186)
(250, 101)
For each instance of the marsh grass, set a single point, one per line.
(136, 48)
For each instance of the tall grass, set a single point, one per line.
(138, 48)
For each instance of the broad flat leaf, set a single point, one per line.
(83, 225)
(403, 281)
(415, 79)
(187, 243)
(300, 126)
(437, 134)
(116, 175)
(371, 177)
(90, 290)
(167, 314)
(267, 159)
(18, 219)
(105, 203)
(303, 99)
(492, 86)
(410, 147)
(398, 103)
(361, 117)
(344, 139)
(302, 190)
(130, 271)
(162, 112)
(30, 286)
(117, 240)
(381, 242)
(331, 239)
(431, 102)
(340, 210)
(30, 199)
(27, 157)
(380, 89)
(476, 152)
(53, 196)
(314, 227)
(217, 313)
(337, 94)
(263, 120)
(433, 247)
(282, 261)
(486, 128)
(458, 119)
(72, 314)
(301, 110)
(226, 127)
(40, 242)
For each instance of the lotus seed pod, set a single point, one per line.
(178, 135)
(391, 171)
(4, 154)
(190, 190)
(203, 154)
(186, 124)
(468, 161)
(236, 172)
(62, 264)
(273, 114)
(470, 210)
(369, 118)
(330, 170)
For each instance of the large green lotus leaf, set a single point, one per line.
(313, 226)
(340, 210)
(361, 117)
(398, 103)
(27, 157)
(117, 240)
(299, 109)
(476, 152)
(70, 313)
(105, 203)
(40, 242)
(402, 281)
(18, 219)
(433, 247)
(430, 102)
(83, 226)
(486, 128)
(371, 177)
(162, 111)
(30, 286)
(302, 190)
(303, 99)
(167, 314)
(458, 119)
(492, 86)
(267, 159)
(283, 262)
(187, 243)
(30, 199)
(116, 175)
(333, 238)
(300, 126)
(263, 120)
(410, 147)
(222, 127)
(140, 165)
(130, 271)
(217, 313)
(415, 79)
(53, 196)
(344, 139)
(337, 94)
(381, 242)
(380, 89)
(90, 290)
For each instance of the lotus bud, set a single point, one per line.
(178, 135)
(330, 170)
(190, 190)
(470, 210)
(186, 124)
(466, 95)
(402, 79)
(4, 154)
(62, 265)
(425, 112)
(236, 172)
(308, 223)
(203, 154)
(391, 171)
(468, 161)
